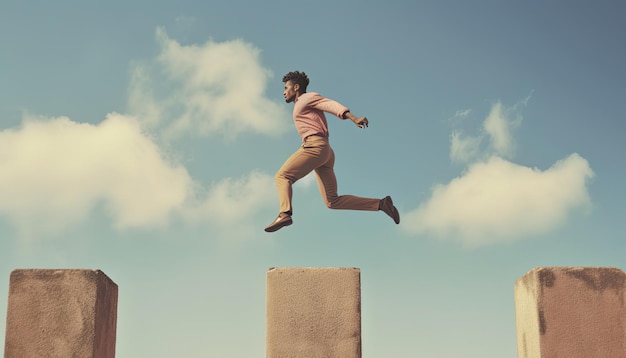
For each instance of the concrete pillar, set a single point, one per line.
(571, 312)
(313, 312)
(61, 313)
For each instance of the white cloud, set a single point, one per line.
(498, 126)
(495, 199)
(498, 129)
(142, 100)
(462, 113)
(53, 171)
(463, 148)
(230, 204)
(498, 200)
(217, 87)
(308, 181)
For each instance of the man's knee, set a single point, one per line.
(331, 203)
(280, 176)
(284, 178)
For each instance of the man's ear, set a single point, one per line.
(296, 87)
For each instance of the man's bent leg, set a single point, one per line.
(327, 183)
(301, 163)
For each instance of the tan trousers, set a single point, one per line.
(316, 154)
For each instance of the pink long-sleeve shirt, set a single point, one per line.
(308, 113)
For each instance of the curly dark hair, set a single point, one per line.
(297, 77)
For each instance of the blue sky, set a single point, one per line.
(141, 138)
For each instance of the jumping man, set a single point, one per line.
(316, 154)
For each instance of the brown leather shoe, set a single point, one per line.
(282, 220)
(386, 205)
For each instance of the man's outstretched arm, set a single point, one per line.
(361, 122)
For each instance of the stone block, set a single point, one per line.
(61, 313)
(313, 313)
(571, 312)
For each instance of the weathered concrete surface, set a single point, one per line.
(314, 313)
(61, 313)
(571, 312)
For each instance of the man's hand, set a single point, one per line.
(360, 122)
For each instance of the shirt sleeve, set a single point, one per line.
(328, 105)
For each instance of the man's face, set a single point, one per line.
(290, 91)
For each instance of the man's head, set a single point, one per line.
(295, 85)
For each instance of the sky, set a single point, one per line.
(141, 138)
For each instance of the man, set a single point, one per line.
(316, 154)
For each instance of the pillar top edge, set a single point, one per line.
(312, 268)
(571, 269)
(574, 268)
(42, 273)
(52, 270)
